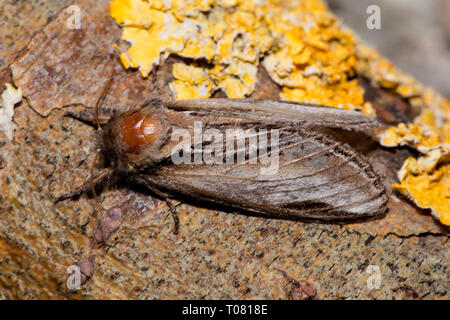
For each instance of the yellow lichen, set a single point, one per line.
(304, 48)
(190, 82)
(426, 180)
(427, 188)
(316, 58)
(384, 73)
(132, 13)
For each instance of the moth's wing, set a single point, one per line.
(274, 112)
(318, 178)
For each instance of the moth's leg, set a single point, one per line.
(97, 205)
(169, 202)
(91, 183)
(176, 220)
(90, 117)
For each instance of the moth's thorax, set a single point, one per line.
(134, 139)
(139, 130)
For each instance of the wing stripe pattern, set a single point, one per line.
(267, 111)
(318, 178)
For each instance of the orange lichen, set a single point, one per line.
(426, 180)
(427, 188)
(303, 46)
(316, 57)
(190, 82)
(384, 73)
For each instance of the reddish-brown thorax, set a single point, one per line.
(139, 130)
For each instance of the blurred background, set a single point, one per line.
(414, 34)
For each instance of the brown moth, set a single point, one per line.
(317, 176)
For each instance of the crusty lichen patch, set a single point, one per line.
(425, 179)
(428, 188)
(190, 82)
(302, 46)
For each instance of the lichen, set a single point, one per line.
(425, 179)
(10, 97)
(303, 47)
(190, 82)
(429, 189)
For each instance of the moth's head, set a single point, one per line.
(136, 136)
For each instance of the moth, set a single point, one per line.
(317, 177)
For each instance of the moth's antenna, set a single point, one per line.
(102, 99)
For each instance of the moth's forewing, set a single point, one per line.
(318, 178)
